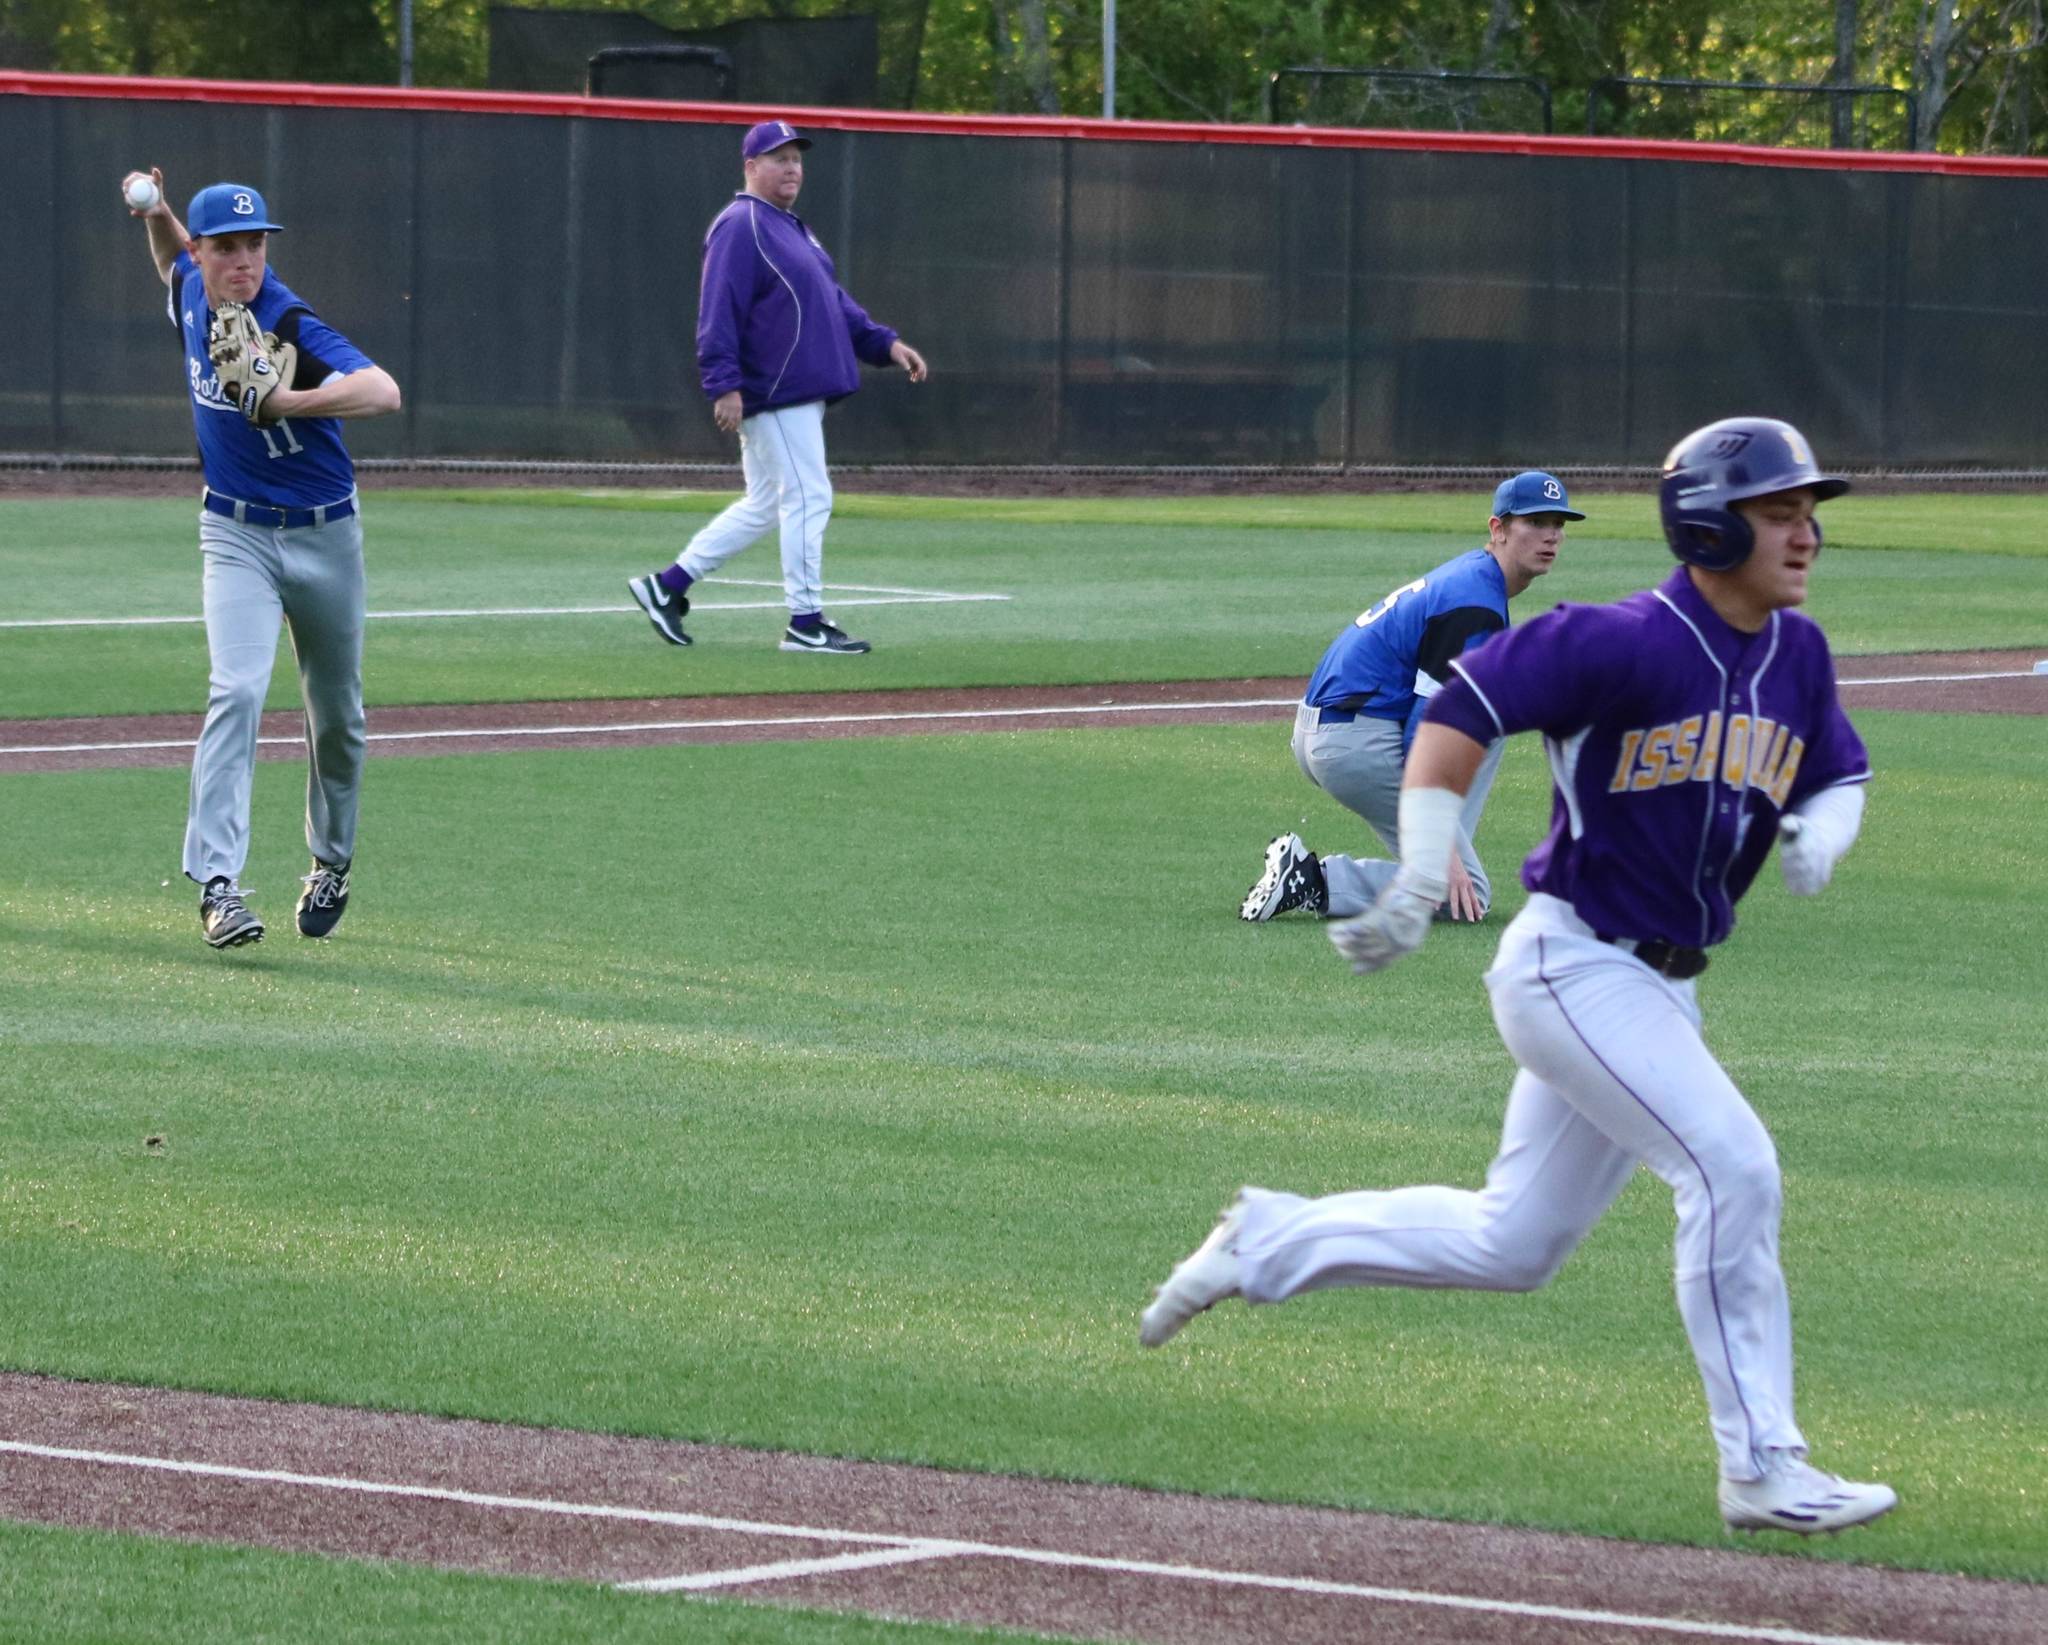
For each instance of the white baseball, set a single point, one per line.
(141, 194)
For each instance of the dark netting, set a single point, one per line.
(1201, 311)
(1489, 304)
(1759, 290)
(532, 284)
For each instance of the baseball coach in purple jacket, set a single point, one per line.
(778, 341)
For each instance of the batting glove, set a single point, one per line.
(1395, 925)
(1806, 860)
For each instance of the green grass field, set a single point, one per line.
(850, 1097)
(1093, 590)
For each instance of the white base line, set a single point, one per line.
(1934, 679)
(915, 1548)
(489, 733)
(783, 1569)
(486, 733)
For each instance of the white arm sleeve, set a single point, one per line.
(1835, 814)
(1429, 833)
(1815, 835)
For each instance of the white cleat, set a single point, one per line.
(1205, 1278)
(1793, 1496)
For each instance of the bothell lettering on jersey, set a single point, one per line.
(296, 462)
(1756, 753)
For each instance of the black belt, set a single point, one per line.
(1342, 712)
(1665, 958)
(281, 519)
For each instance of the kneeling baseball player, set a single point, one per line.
(1365, 702)
(1689, 727)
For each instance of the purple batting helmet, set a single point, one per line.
(1716, 467)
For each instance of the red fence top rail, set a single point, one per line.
(273, 94)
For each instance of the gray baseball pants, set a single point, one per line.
(1358, 764)
(311, 577)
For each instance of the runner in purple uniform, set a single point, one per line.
(1688, 727)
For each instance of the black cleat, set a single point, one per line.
(664, 610)
(827, 637)
(226, 919)
(324, 900)
(1292, 879)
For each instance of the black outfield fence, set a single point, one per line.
(1086, 293)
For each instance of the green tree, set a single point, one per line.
(1977, 68)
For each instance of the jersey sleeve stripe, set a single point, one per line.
(1499, 729)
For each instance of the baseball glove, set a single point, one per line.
(250, 362)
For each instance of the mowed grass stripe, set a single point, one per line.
(1210, 588)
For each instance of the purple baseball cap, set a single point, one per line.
(771, 134)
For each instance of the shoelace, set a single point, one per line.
(1812, 1482)
(326, 886)
(229, 900)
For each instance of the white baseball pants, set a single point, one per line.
(1613, 1074)
(1358, 764)
(312, 578)
(782, 455)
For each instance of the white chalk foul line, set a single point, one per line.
(488, 733)
(782, 1570)
(904, 1549)
(444, 1493)
(1934, 679)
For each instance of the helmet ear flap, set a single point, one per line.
(1714, 539)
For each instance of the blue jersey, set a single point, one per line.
(1675, 741)
(1394, 656)
(297, 462)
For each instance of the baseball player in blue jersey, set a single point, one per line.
(1689, 728)
(1358, 717)
(778, 341)
(280, 536)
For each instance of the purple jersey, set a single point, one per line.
(772, 320)
(1675, 742)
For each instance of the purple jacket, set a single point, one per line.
(1675, 742)
(771, 319)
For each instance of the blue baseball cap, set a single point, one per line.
(1533, 492)
(771, 134)
(227, 208)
